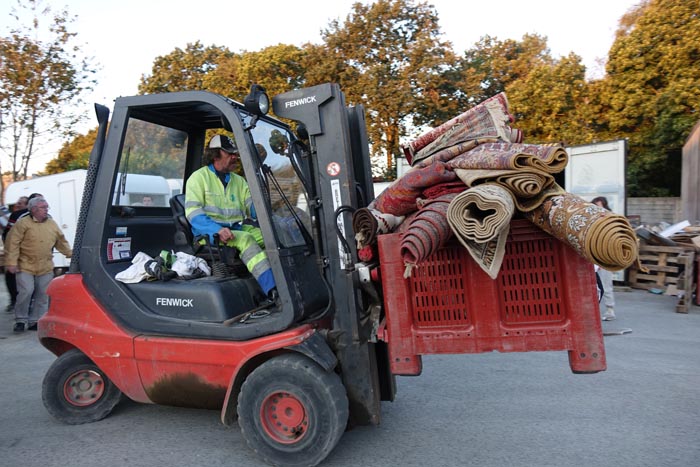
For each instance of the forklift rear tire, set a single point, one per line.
(76, 391)
(291, 411)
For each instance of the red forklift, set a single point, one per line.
(297, 371)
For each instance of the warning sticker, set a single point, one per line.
(333, 169)
(118, 248)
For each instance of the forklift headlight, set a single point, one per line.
(257, 102)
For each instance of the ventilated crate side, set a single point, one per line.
(543, 299)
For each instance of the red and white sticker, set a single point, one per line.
(333, 169)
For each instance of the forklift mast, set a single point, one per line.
(342, 182)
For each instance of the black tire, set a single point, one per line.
(292, 412)
(76, 391)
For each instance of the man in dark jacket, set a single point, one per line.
(18, 210)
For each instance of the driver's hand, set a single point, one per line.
(225, 234)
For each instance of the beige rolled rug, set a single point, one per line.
(480, 219)
(602, 237)
(529, 187)
(549, 158)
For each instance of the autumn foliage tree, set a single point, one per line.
(184, 70)
(73, 155)
(548, 102)
(40, 81)
(491, 65)
(390, 57)
(653, 73)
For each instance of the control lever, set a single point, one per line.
(218, 267)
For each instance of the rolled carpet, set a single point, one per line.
(529, 187)
(368, 223)
(447, 154)
(480, 219)
(488, 118)
(436, 191)
(400, 197)
(425, 232)
(602, 237)
(549, 158)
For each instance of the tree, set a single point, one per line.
(184, 70)
(388, 55)
(73, 155)
(491, 65)
(278, 68)
(549, 101)
(653, 72)
(40, 81)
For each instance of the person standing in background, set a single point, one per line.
(18, 210)
(606, 276)
(29, 255)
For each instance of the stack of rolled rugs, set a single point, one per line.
(469, 177)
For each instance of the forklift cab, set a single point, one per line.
(165, 135)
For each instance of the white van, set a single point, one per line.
(64, 193)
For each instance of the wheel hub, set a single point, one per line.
(284, 417)
(83, 388)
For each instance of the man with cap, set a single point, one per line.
(217, 201)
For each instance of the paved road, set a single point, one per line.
(490, 410)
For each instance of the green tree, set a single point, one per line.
(41, 82)
(653, 72)
(388, 55)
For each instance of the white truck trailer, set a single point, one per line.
(64, 192)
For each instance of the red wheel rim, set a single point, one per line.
(84, 387)
(284, 418)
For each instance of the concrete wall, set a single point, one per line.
(655, 210)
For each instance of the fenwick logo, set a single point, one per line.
(301, 101)
(181, 302)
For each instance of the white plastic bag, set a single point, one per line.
(186, 265)
(136, 272)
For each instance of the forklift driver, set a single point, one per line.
(217, 201)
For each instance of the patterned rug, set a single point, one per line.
(529, 187)
(368, 223)
(490, 118)
(426, 231)
(400, 197)
(436, 191)
(549, 158)
(480, 219)
(447, 154)
(602, 237)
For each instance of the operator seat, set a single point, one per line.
(183, 232)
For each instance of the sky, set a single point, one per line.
(126, 36)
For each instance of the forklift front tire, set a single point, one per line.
(76, 391)
(292, 412)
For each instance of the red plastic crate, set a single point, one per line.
(544, 298)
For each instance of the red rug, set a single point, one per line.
(426, 231)
(400, 197)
